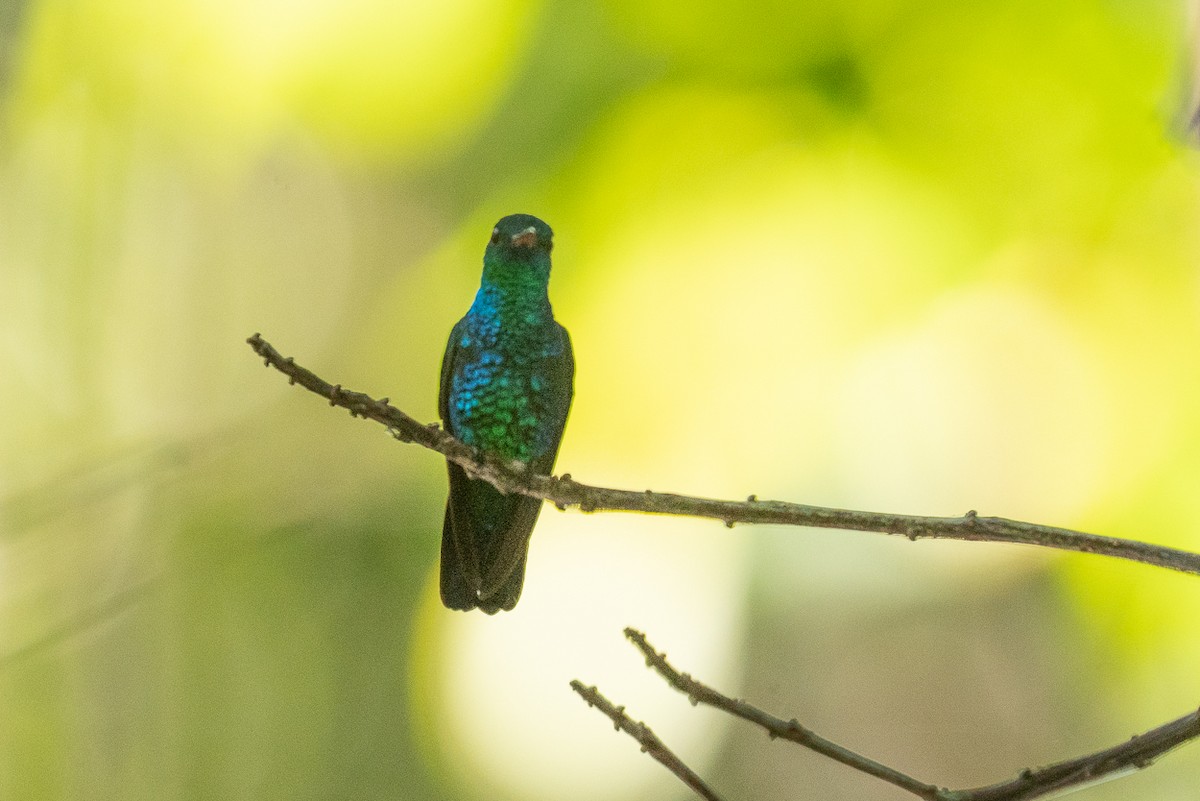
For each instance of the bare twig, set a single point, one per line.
(699, 693)
(646, 739)
(563, 492)
(1132, 755)
(1126, 757)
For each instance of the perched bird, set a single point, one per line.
(507, 382)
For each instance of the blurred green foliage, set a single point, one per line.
(881, 254)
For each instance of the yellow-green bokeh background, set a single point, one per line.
(902, 256)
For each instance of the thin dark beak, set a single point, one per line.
(525, 239)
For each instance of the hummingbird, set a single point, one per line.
(507, 382)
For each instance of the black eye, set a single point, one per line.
(495, 235)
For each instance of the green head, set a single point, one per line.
(518, 251)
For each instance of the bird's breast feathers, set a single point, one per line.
(504, 399)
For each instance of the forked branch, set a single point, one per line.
(1120, 759)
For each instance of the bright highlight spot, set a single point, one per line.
(500, 684)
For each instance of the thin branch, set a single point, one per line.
(1127, 757)
(1136, 753)
(514, 477)
(647, 739)
(698, 693)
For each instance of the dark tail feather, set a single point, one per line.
(456, 593)
(509, 592)
(485, 542)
